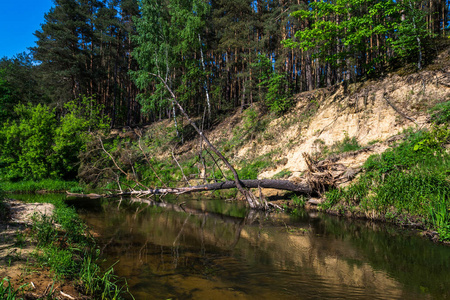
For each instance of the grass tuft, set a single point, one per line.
(8, 292)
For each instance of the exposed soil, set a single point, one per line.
(17, 256)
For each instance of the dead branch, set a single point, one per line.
(398, 111)
(251, 199)
(182, 172)
(321, 175)
(118, 167)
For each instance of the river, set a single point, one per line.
(200, 248)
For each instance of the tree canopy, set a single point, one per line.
(212, 52)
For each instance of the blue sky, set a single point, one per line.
(18, 21)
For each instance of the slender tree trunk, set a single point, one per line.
(419, 44)
(251, 199)
(206, 83)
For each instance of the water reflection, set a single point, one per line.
(206, 249)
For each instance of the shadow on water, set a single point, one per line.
(189, 248)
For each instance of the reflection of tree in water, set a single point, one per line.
(162, 240)
(413, 261)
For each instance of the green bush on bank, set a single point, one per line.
(411, 179)
(36, 145)
(70, 252)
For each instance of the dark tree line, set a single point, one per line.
(217, 55)
(266, 50)
(84, 48)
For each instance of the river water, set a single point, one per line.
(198, 248)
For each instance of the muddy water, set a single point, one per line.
(212, 249)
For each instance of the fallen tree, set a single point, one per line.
(286, 185)
(318, 178)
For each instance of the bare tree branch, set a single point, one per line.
(251, 199)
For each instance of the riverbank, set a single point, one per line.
(47, 252)
(42, 186)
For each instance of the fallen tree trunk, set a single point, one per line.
(285, 185)
(79, 195)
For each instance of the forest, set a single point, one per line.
(99, 65)
(343, 106)
(217, 55)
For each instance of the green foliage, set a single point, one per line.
(105, 284)
(43, 229)
(6, 99)
(166, 30)
(253, 124)
(409, 179)
(60, 261)
(70, 252)
(434, 140)
(440, 216)
(277, 94)
(346, 145)
(251, 170)
(18, 84)
(352, 24)
(440, 113)
(352, 195)
(282, 174)
(411, 192)
(411, 31)
(30, 186)
(299, 201)
(419, 148)
(251, 119)
(36, 146)
(26, 148)
(82, 116)
(7, 291)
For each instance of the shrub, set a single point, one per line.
(26, 143)
(37, 146)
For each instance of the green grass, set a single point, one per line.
(346, 145)
(410, 181)
(8, 292)
(299, 201)
(440, 113)
(30, 186)
(70, 252)
(282, 174)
